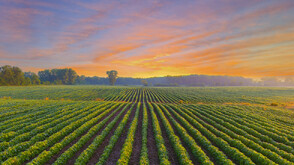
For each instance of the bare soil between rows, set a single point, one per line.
(116, 151)
(137, 145)
(172, 156)
(54, 158)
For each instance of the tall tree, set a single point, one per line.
(112, 75)
(58, 76)
(45, 76)
(11, 75)
(34, 78)
(71, 76)
(27, 81)
(81, 79)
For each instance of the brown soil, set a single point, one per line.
(142, 98)
(27, 161)
(145, 98)
(53, 159)
(213, 143)
(172, 156)
(185, 145)
(73, 159)
(130, 95)
(116, 151)
(137, 145)
(105, 142)
(151, 143)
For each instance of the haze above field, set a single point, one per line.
(150, 38)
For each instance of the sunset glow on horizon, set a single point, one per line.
(253, 38)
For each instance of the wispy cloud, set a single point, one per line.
(16, 22)
(151, 38)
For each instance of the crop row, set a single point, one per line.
(67, 132)
(46, 155)
(235, 133)
(42, 141)
(128, 145)
(280, 140)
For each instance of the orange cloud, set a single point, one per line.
(153, 38)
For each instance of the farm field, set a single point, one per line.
(146, 125)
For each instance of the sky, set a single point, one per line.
(252, 38)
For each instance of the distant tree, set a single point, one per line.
(144, 82)
(34, 78)
(46, 83)
(18, 77)
(27, 81)
(71, 76)
(58, 76)
(45, 75)
(57, 82)
(11, 75)
(6, 75)
(81, 79)
(112, 75)
(2, 81)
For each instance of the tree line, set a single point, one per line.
(190, 80)
(65, 76)
(13, 76)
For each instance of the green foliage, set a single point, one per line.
(196, 150)
(219, 142)
(181, 152)
(245, 95)
(128, 145)
(33, 78)
(46, 155)
(23, 150)
(112, 75)
(65, 76)
(114, 138)
(162, 151)
(36, 131)
(12, 76)
(245, 139)
(144, 151)
(86, 154)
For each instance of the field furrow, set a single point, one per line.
(144, 125)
